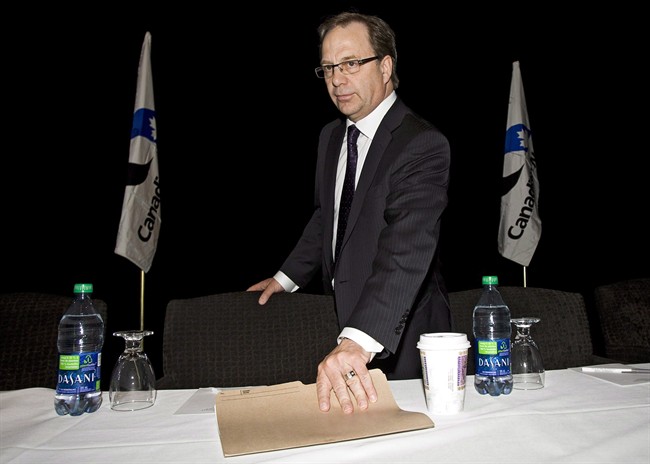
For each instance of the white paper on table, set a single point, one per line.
(623, 379)
(201, 402)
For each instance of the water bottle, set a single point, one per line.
(491, 325)
(80, 341)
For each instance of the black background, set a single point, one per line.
(232, 87)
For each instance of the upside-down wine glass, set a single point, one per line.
(133, 383)
(526, 363)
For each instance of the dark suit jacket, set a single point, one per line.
(387, 281)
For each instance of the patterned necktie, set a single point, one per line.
(348, 188)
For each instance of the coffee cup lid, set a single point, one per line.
(443, 341)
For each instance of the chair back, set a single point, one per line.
(28, 335)
(229, 340)
(563, 333)
(623, 309)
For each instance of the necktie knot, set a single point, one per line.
(353, 135)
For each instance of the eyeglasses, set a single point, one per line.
(346, 67)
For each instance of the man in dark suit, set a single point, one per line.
(386, 279)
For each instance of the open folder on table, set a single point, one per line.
(257, 419)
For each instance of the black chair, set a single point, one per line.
(563, 333)
(229, 340)
(28, 333)
(623, 309)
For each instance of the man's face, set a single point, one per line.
(355, 95)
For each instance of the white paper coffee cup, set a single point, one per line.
(444, 368)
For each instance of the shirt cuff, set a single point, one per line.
(286, 282)
(366, 341)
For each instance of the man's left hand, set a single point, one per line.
(344, 371)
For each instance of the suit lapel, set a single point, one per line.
(379, 145)
(329, 178)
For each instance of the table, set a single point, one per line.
(574, 418)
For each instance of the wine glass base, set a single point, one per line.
(527, 381)
(134, 405)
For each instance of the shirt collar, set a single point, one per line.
(368, 125)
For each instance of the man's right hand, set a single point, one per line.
(268, 287)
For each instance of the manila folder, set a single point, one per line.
(258, 419)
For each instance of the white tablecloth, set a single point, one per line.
(575, 418)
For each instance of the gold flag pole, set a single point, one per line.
(141, 300)
(524, 276)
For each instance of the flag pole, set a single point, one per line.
(524, 276)
(142, 300)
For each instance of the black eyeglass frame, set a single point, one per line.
(320, 71)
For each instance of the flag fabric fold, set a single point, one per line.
(137, 237)
(520, 227)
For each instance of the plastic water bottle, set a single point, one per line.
(491, 325)
(80, 341)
